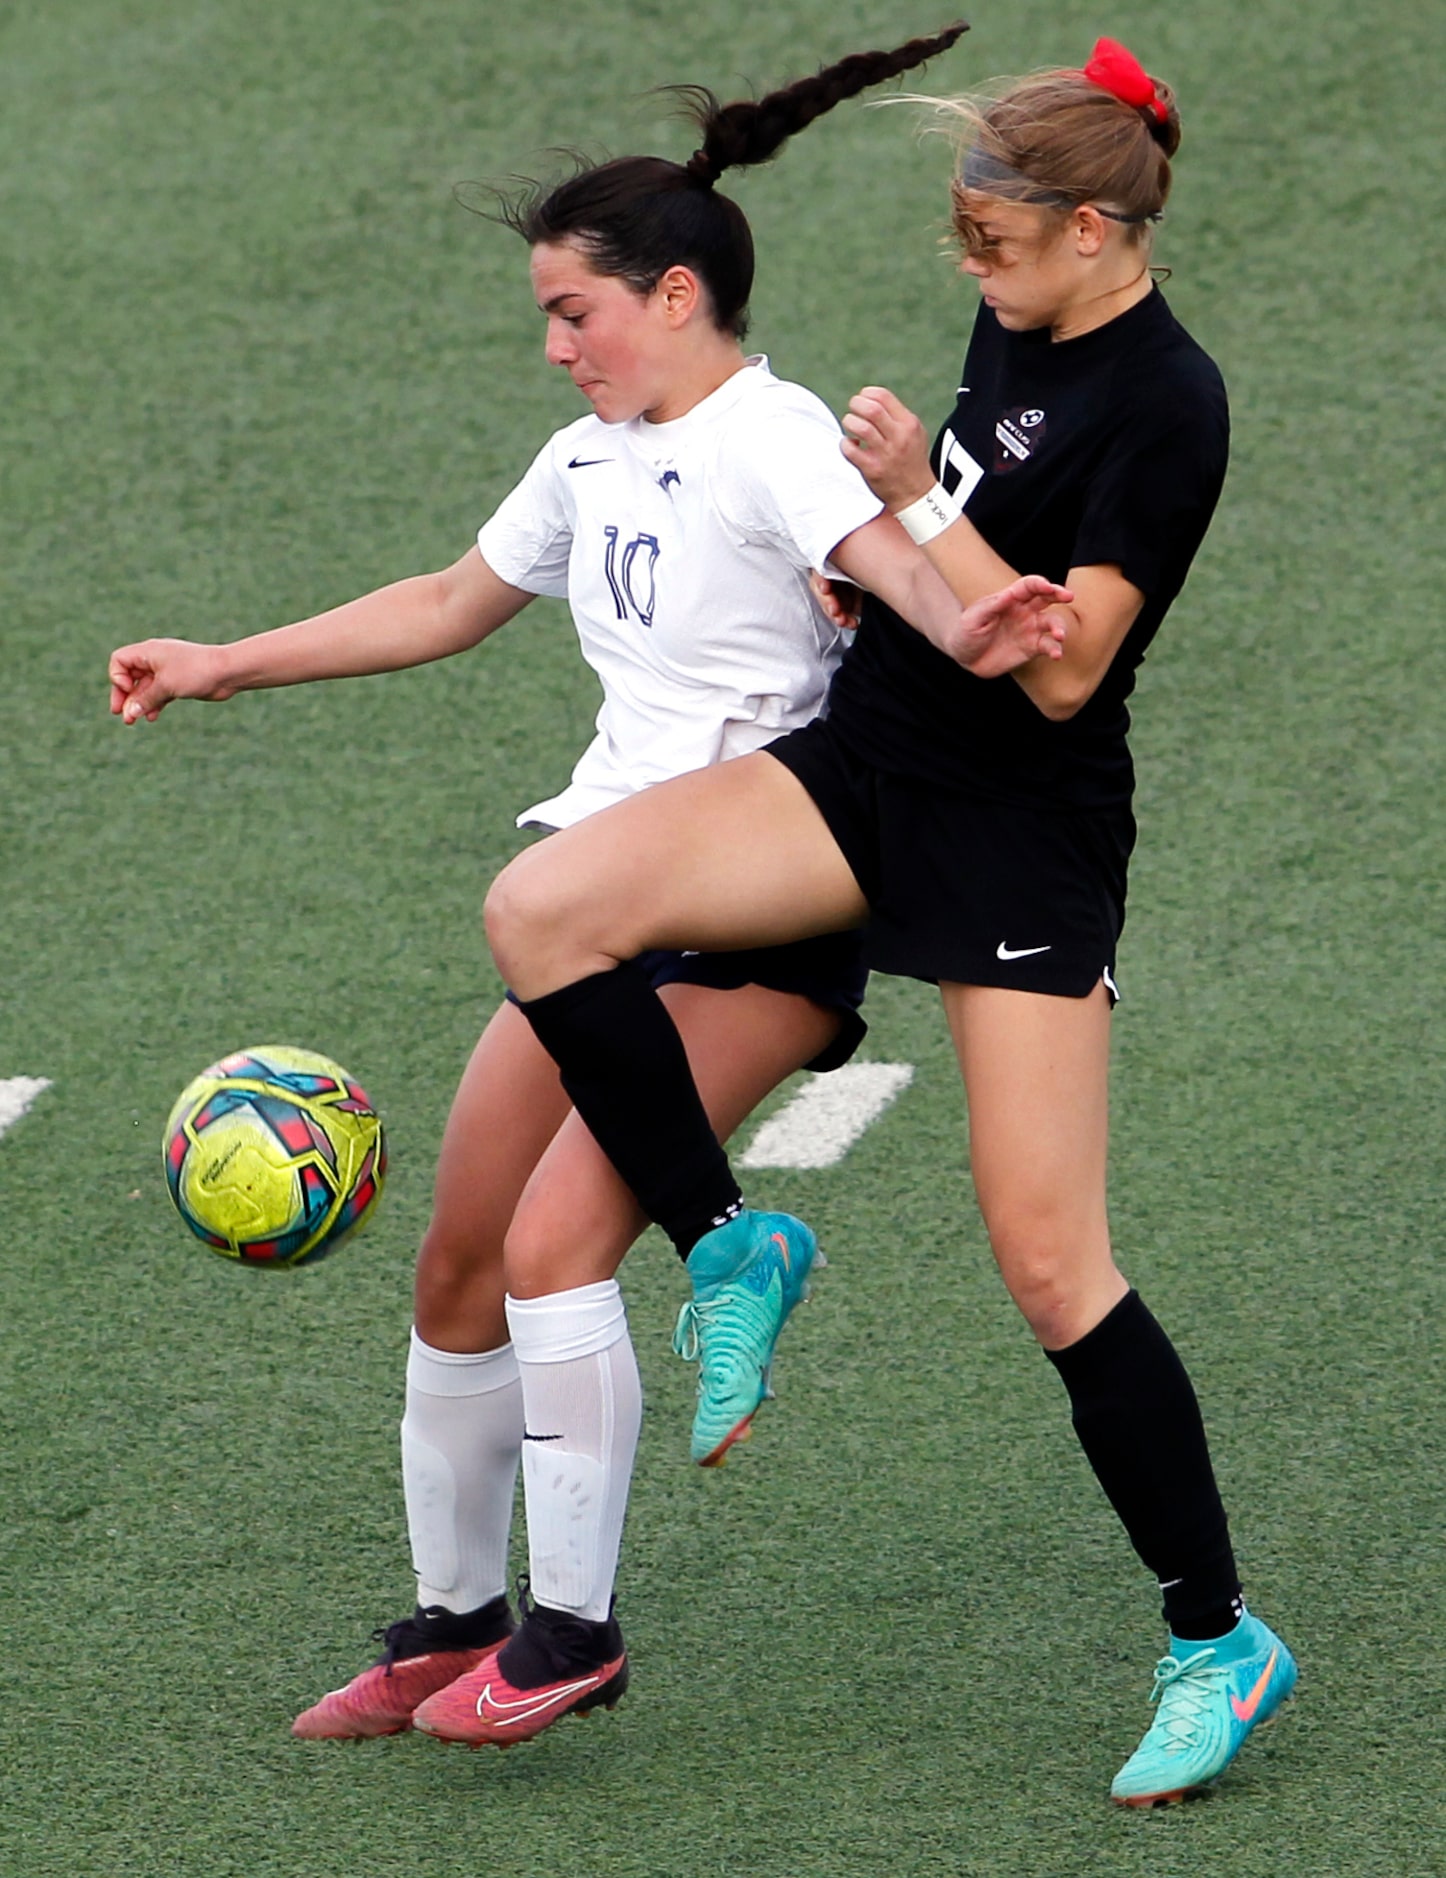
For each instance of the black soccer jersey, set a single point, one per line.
(1105, 449)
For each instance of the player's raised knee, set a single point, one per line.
(526, 910)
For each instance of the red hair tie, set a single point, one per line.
(1115, 69)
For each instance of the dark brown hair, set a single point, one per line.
(635, 217)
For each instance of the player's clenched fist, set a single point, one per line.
(144, 678)
(888, 446)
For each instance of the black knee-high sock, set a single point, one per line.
(624, 1065)
(1139, 1424)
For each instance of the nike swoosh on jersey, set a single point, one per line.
(589, 462)
(1245, 1711)
(1019, 952)
(533, 1702)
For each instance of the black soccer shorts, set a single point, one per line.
(969, 889)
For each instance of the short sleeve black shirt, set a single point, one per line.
(1105, 449)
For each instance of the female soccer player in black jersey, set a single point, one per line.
(980, 829)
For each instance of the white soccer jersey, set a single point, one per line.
(684, 551)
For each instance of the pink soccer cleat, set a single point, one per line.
(557, 1664)
(423, 1653)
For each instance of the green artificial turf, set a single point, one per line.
(256, 359)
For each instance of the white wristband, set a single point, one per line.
(927, 517)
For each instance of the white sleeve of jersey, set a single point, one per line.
(790, 489)
(528, 541)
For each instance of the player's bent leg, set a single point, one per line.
(462, 1430)
(636, 879)
(725, 858)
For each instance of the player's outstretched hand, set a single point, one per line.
(144, 678)
(1005, 630)
(888, 446)
(841, 600)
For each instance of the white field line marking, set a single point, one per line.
(827, 1116)
(16, 1095)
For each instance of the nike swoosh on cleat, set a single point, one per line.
(532, 1704)
(1245, 1711)
(1019, 952)
(588, 462)
(781, 1241)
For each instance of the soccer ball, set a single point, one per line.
(273, 1156)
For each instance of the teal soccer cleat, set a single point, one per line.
(1208, 1697)
(747, 1276)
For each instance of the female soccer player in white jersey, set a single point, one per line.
(681, 520)
(982, 827)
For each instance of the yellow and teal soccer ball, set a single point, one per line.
(274, 1156)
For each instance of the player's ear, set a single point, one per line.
(679, 293)
(1089, 229)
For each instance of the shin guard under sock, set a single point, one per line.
(1139, 1424)
(461, 1444)
(625, 1068)
(584, 1407)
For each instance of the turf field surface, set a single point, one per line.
(256, 360)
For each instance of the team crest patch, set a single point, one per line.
(1017, 435)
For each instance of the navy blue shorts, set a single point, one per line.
(829, 971)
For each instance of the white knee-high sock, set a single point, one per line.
(461, 1443)
(584, 1407)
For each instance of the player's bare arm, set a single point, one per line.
(410, 622)
(992, 636)
(1104, 608)
(889, 446)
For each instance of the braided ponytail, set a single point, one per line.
(635, 217)
(737, 136)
